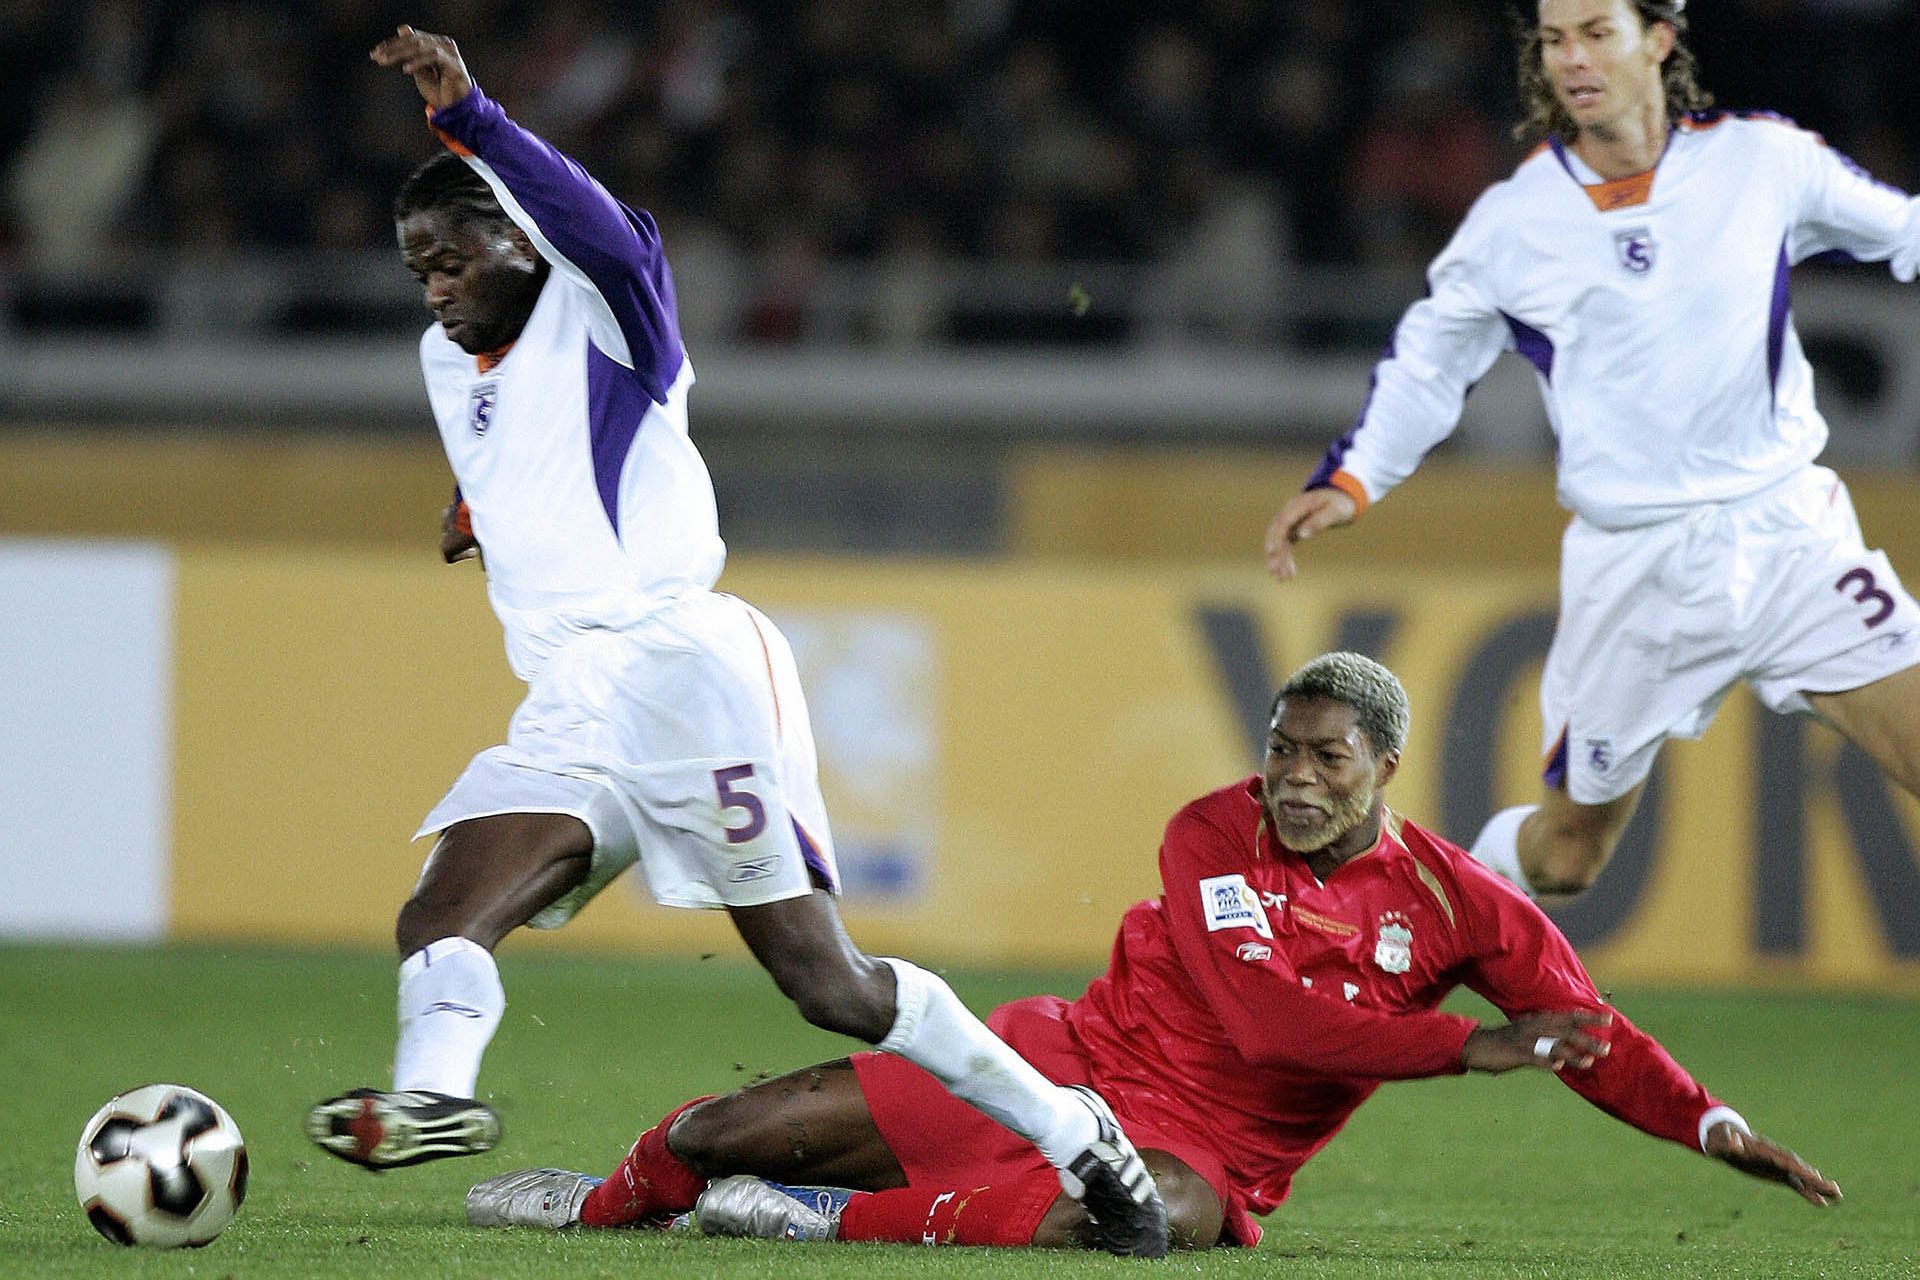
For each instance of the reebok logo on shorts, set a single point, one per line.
(758, 869)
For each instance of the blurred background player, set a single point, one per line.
(1639, 260)
(660, 716)
(1303, 941)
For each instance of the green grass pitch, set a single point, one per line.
(1483, 1177)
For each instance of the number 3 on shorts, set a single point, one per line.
(1866, 592)
(732, 797)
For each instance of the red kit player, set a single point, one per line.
(1296, 958)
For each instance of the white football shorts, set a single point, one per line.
(1659, 623)
(683, 743)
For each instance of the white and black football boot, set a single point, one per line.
(381, 1130)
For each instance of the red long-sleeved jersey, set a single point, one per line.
(1255, 1007)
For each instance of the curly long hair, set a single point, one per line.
(1679, 75)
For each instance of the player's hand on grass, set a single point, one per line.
(457, 542)
(1765, 1158)
(1304, 515)
(433, 62)
(1550, 1041)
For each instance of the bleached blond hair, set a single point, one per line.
(1378, 699)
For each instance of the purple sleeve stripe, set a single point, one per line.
(1858, 170)
(1336, 454)
(1536, 346)
(617, 249)
(617, 403)
(1322, 477)
(816, 861)
(1777, 314)
(1555, 774)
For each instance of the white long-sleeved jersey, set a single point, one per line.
(1654, 310)
(588, 498)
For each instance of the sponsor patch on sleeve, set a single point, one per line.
(1230, 904)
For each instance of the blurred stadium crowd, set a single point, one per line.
(1248, 134)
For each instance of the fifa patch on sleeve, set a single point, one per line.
(1230, 904)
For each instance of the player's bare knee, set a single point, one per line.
(850, 1011)
(1900, 757)
(1064, 1226)
(1192, 1227)
(1570, 862)
(422, 921)
(853, 997)
(1564, 846)
(707, 1136)
(1194, 1215)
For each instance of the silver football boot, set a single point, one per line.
(757, 1209)
(549, 1198)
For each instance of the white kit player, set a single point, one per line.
(1639, 260)
(664, 722)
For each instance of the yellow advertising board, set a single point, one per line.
(1001, 747)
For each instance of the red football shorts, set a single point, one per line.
(940, 1141)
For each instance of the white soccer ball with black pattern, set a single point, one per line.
(162, 1165)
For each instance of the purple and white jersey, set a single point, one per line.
(589, 500)
(1654, 310)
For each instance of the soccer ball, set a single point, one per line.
(161, 1165)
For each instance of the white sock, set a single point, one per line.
(935, 1032)
(1497, 847)
(450, 1003)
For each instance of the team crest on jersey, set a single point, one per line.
(480, 402)
(1230, 904)
(1635, 247)
(1393, 949)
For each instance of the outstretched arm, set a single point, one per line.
(1522, 961)
(590, 238)
(1440, 348)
